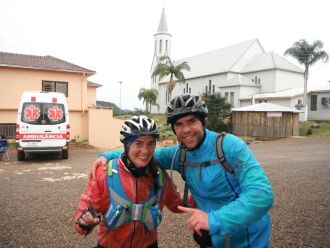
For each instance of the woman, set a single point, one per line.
(126, 201)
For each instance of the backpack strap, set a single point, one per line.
(221, 159)
(182, 162)
(220, 154)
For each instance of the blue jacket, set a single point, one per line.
(237, 205)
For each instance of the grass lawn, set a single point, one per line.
(322, 131)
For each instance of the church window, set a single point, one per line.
(226, 96)
(210, 83)
(206, 89)
(189, 90)
(166, 46)
(160, 46)
(184, 90)
(213, 88)
(232, 98)
(258, 80)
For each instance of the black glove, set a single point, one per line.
(204, 241)
(90, 227)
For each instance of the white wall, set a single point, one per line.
(323, 112)
(287, 80)
(267, 80)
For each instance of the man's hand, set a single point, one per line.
(101, 161)
(198, 219)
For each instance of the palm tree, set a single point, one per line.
(166, 67)
(307, 55)
(149, 97)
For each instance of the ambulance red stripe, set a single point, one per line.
(42, 136)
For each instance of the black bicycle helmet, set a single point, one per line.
(138, 126)
(185, 105)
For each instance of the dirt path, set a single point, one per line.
(38, 197)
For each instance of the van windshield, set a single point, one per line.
(43, 113)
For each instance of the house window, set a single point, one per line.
(160, 46)
(53, 86)
(232, 98)
(258, 80)
(313, 102)
(299, 101)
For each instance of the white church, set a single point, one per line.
(244, 73)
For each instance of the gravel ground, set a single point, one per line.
(38, 197)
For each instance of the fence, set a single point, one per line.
(8, 129)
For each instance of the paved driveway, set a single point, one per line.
(38, 197)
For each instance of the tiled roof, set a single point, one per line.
(91, 84)
(39, 63)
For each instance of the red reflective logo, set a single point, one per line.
(31, 113)
(55, 113)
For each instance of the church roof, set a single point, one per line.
(266, 107)
(162, 28)
(221, 60)
(270, 60)
(288, 93)
(238, 80)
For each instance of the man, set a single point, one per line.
(131, 195)
(232, 207)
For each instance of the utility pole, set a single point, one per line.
(120, 97)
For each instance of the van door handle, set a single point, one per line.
(48, 131)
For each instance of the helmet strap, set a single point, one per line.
(131, 167)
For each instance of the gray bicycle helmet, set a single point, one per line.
(138, 126)
(185, 105)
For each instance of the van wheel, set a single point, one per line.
(20, 156)
(65, 154)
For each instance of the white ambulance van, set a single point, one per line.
(42, 124)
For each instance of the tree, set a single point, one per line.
(219, 112)
(149, 97)
(307, 55)
(166, 67)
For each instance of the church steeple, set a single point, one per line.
(162, 38)
(162, 28)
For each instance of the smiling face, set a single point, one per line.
(189, 130)
(142, 150)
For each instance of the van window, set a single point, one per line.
(43, 113)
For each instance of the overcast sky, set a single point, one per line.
(115, 38)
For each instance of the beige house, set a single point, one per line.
(20, 73)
